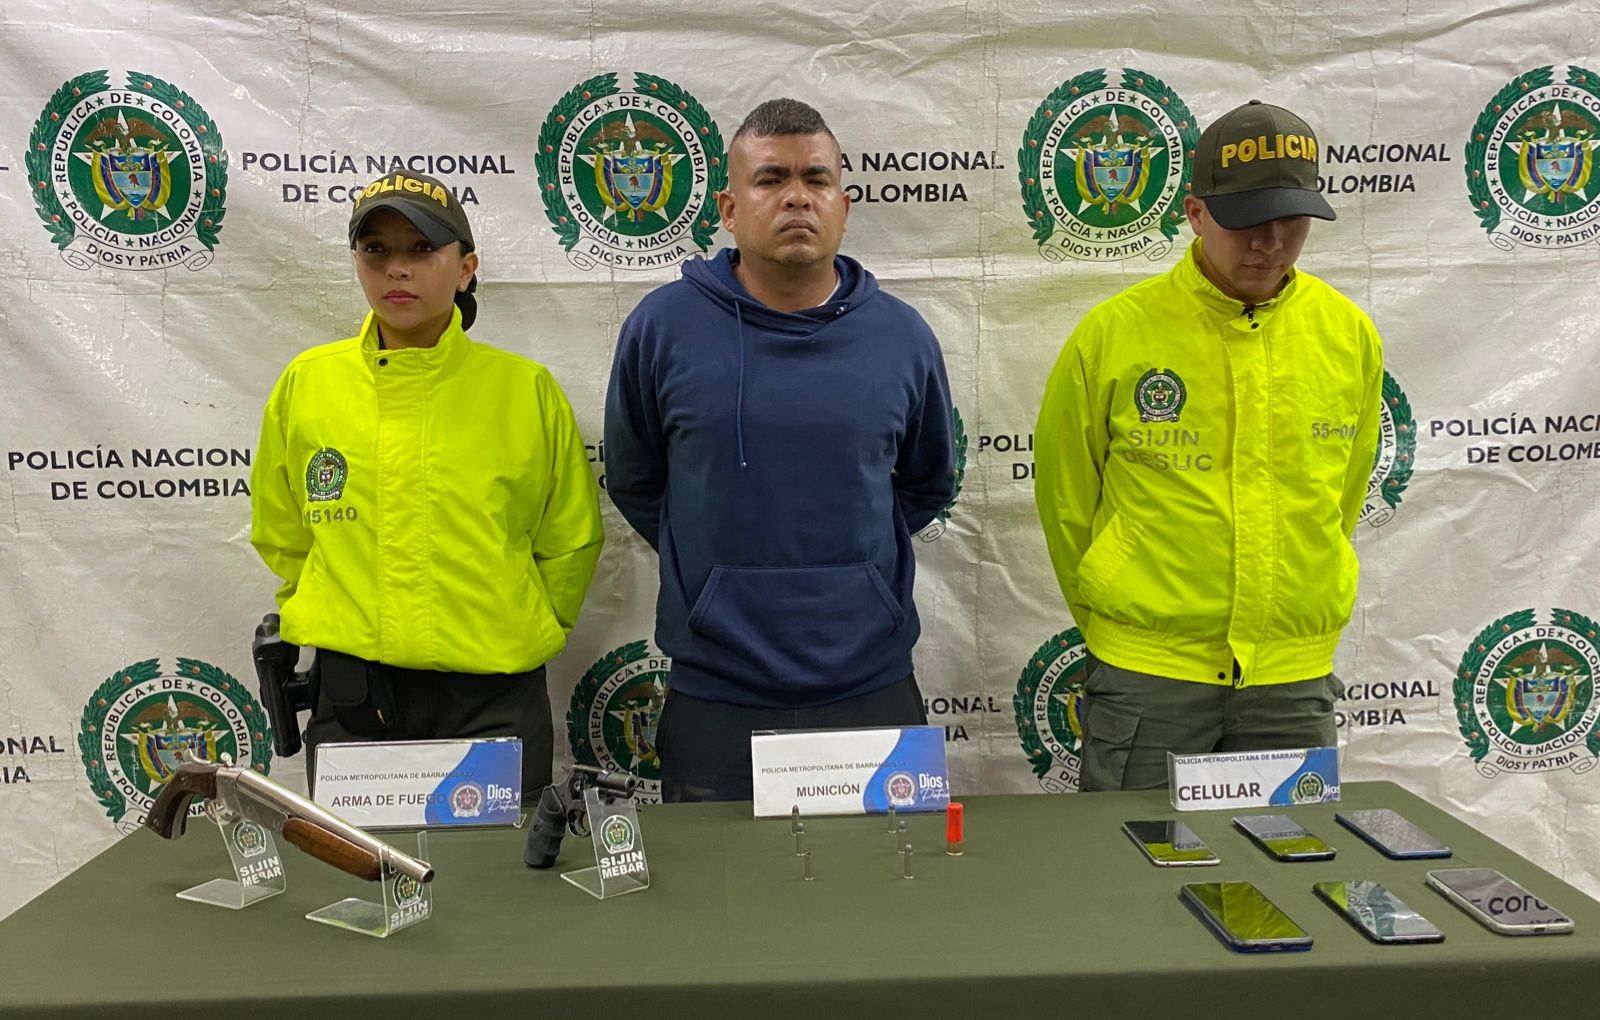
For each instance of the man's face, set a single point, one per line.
(1247, 265)
(784, 204)
(410, 284)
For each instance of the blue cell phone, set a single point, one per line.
(1244, 919)
(1391, 834)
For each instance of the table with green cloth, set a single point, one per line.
(1051, 911)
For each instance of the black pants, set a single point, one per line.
(449, 706)
(705, 745)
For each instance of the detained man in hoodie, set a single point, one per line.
(777, 428)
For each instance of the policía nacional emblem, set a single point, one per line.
(141, 722)
(326, 473)
(1160, 396)
(128, 177)
(407, 891)
(617, 834)
(1395, 458)
(629, 179)
(249, 839)
(1530, 161)
(1524, 694)
(1104, 169)
(1310, 788)
(1048, 700)
(900, 789)
(614, 711)
(466, 800)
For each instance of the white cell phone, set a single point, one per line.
(1170, 844)
(1498, 903)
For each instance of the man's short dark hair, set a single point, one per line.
(782, 117)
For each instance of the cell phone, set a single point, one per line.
(1170, 844)
(1283, 838)
(1391, 834)
(1379, 913)
(1244, 919)
(1498, 903)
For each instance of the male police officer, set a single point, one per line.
(1203, 452)
(776, 429)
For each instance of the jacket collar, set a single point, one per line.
(442, 357)
(1192, 280)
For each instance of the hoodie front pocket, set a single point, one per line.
(806, 624)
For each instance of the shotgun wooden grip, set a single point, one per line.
(170, 811)
(336, 850)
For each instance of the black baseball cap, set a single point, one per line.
(423, 200)
(429, 206)
(1258, 163)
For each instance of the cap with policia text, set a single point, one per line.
(1258, 163)
(425, 201)
(430, 207)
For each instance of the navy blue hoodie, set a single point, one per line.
(779, 463)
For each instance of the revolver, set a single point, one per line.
(284, 692)
(561, 810)
(245, 792)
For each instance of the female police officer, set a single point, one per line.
(426, 499)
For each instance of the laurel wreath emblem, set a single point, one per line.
(1477, 148)
(547, 161)
(46, 130)
(92, 723)
(1028, 682)
(1405, 440)
(1466, 677)
(1033, 137)
(587, 690)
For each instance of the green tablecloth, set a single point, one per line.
(1051, 910)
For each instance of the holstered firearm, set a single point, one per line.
(248, 794)
(561, 810)
(284, 692)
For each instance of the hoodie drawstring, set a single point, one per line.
(738, 407)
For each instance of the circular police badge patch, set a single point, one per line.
(901, 789)
(466, 800)
(326, 473)
(1524, 694)
(1160, 396)
(629, 179)
(1395, 458)
(407, 890)
(129, 177)
(249, 839)
(140, 723)
(617, 834)
(1104, 169)
(612, 717)
(1530, 161)
(1047, 702)
(1308, 789)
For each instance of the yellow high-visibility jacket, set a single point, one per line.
(428, 508)
(1200, 467)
